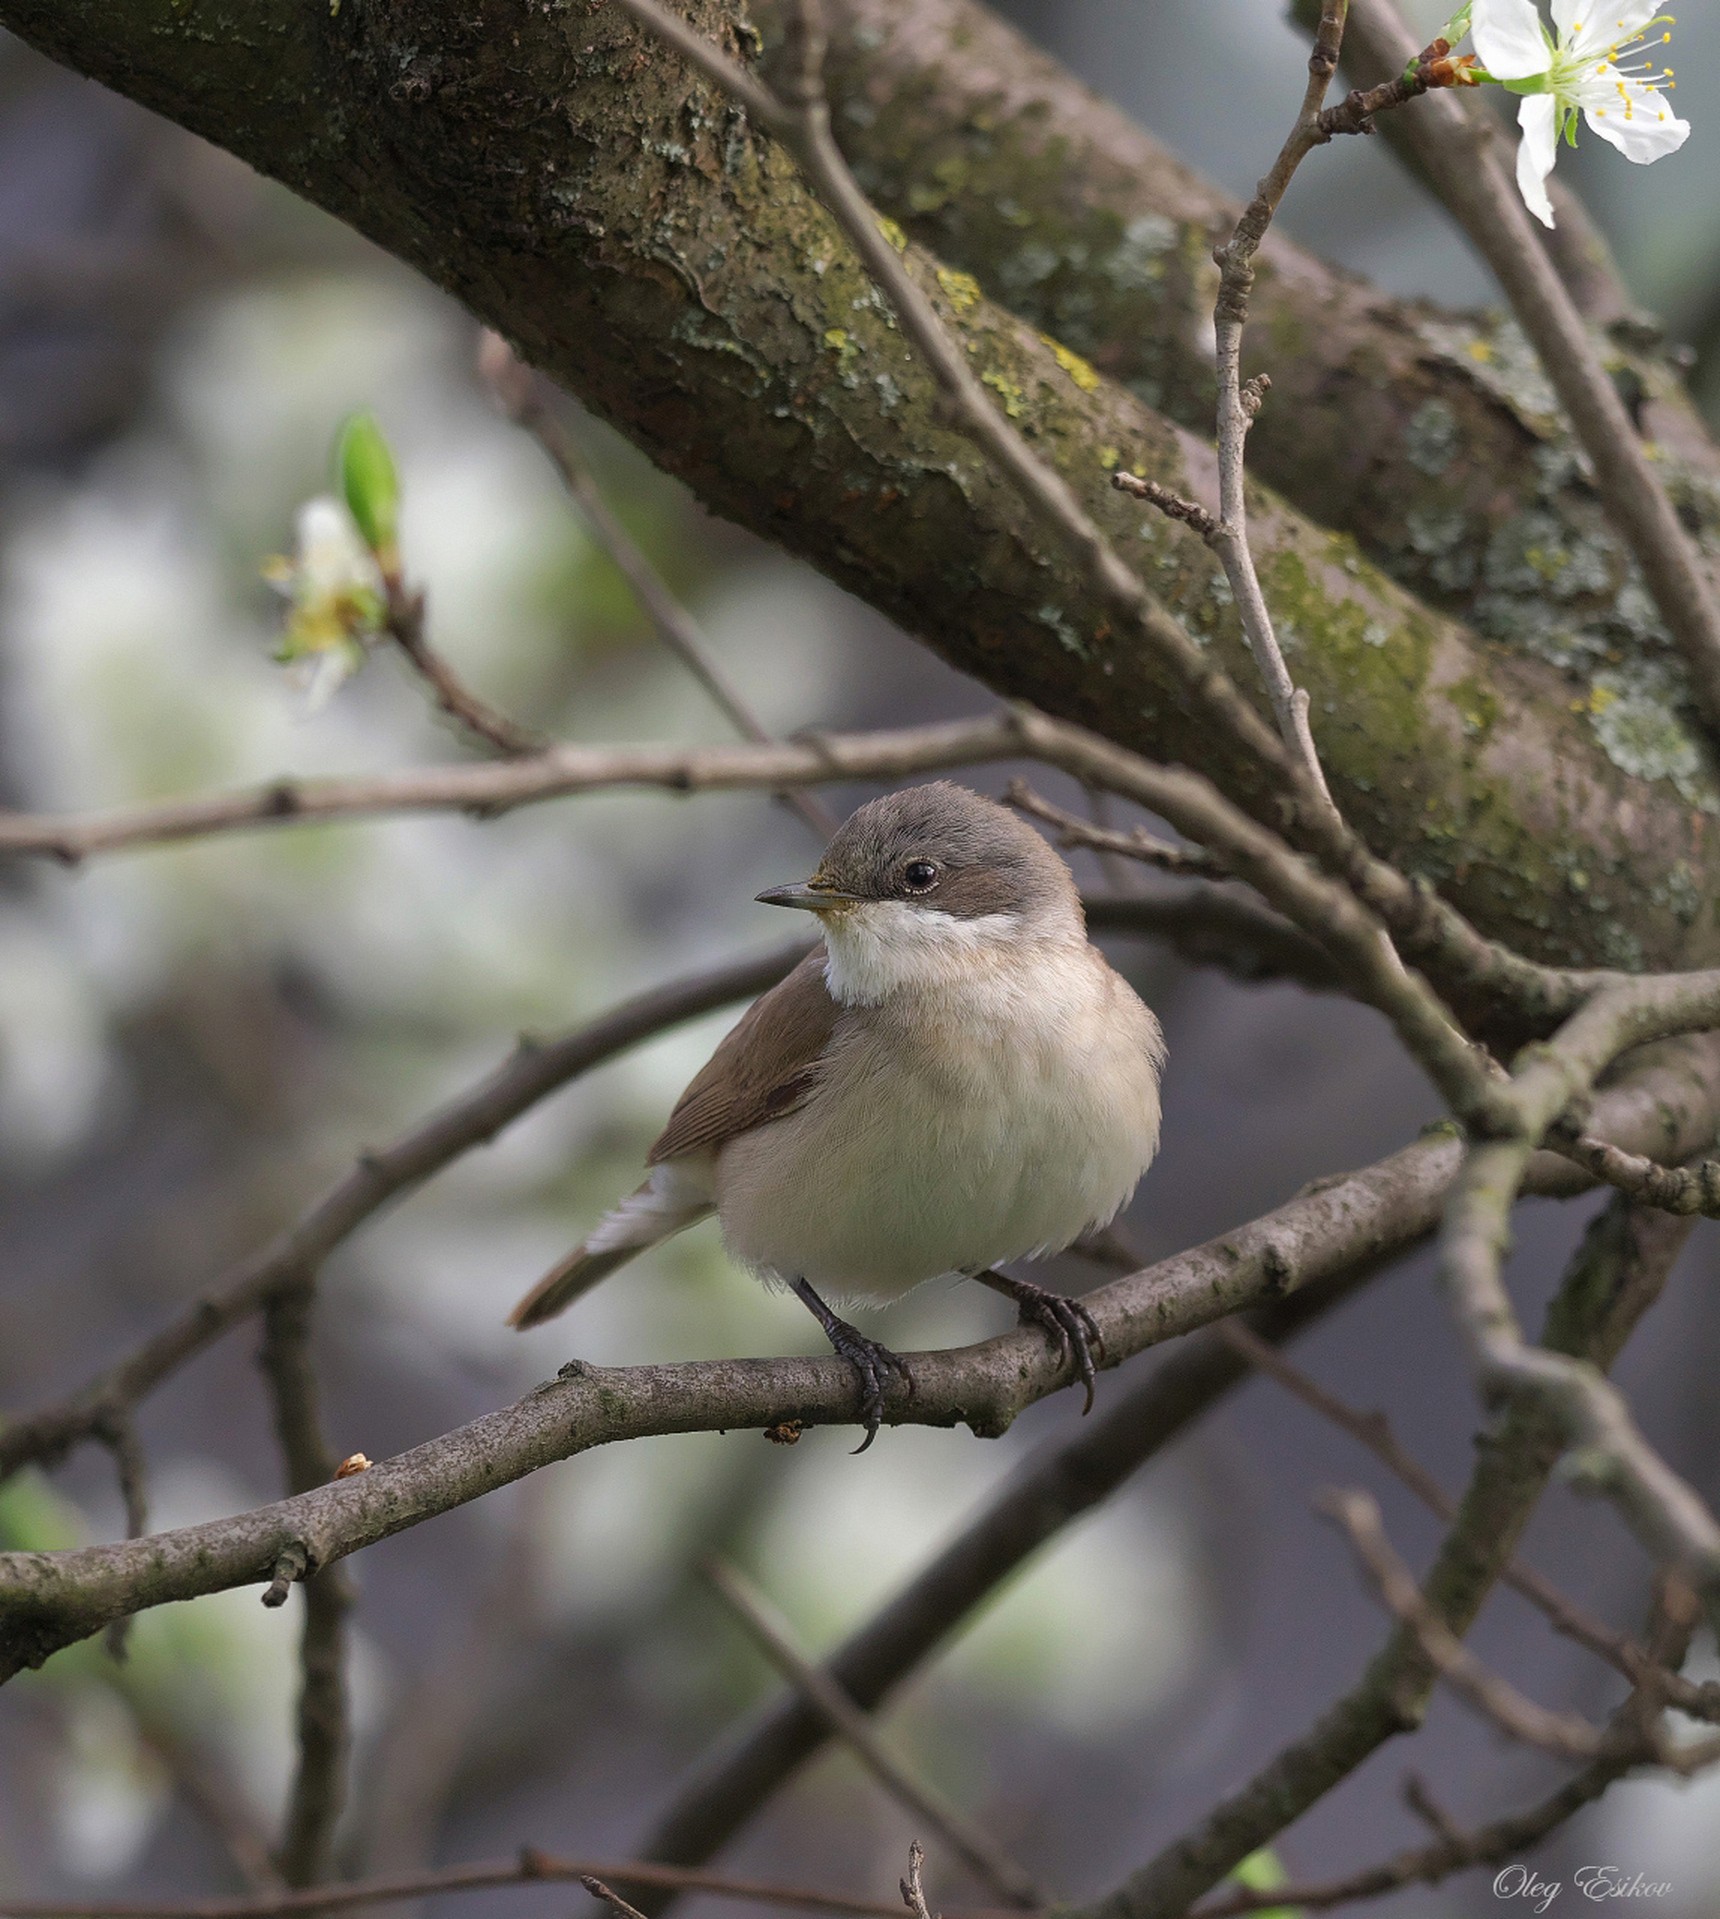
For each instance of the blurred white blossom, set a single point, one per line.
(338, 602)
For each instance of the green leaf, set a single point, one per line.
(1261, 1872)
(370, 485)
(35, 1519)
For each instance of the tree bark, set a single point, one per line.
(621, 222)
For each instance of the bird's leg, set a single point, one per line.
(1073, 1331)
(871, 1362)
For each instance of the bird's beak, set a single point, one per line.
(810, 897)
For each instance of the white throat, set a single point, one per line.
(887, 947)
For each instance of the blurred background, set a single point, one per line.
(194, 1042)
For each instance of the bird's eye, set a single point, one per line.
(920, 876)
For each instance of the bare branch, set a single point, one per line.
(613, 1900)
(1373, 1430)
(1322, 1245)
(913, 1887)
(1431, 933)
(1136, 844)
(1172, 505)
(1673, 1189)
(772, 1634)
(1506, 1839)
(530, 1868)
(1666, 1513)
(1238, 402)
(1564, 1735)
(49, 1599)
(405, 626)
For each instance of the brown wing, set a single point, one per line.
(766, 1067)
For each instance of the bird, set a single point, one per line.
(952, 1080)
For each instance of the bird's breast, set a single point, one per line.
(952, 1131)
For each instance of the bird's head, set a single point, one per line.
(929, 885)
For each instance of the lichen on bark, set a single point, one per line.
(1433, 437)
(624, 225)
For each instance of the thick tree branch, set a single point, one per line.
(1419, 431)
(741, 346)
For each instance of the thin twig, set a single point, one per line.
(417, 1759)
(318, 1793)
(1240, 401)
(1673, 1189)
(613, 1900)
(1505, 1839)
(1214, 926)
(520, 391)
(1373, 1430)
(1136, 844)
(404, 622)
(913, 1887)
(530, 1868)
(118, 1432)
(1564, 1735)
(774, 1637)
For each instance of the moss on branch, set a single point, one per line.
(623, 224)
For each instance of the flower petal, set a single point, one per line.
(1509, 38)
(1639, 123)
(1586, 25)
(1538, 116)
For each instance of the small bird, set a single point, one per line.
(954, 1079)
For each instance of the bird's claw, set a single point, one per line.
(872, 1363)
(1073, 1331)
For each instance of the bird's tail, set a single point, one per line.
(663, 1206)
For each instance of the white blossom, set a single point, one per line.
(338, 599)
(1595, 62)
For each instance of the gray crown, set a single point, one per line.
(987, 860)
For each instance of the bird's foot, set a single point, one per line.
(871, 1362)
(1073, 1331)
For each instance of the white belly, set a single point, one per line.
(952, 1134)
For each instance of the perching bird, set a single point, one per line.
(955, 1079)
